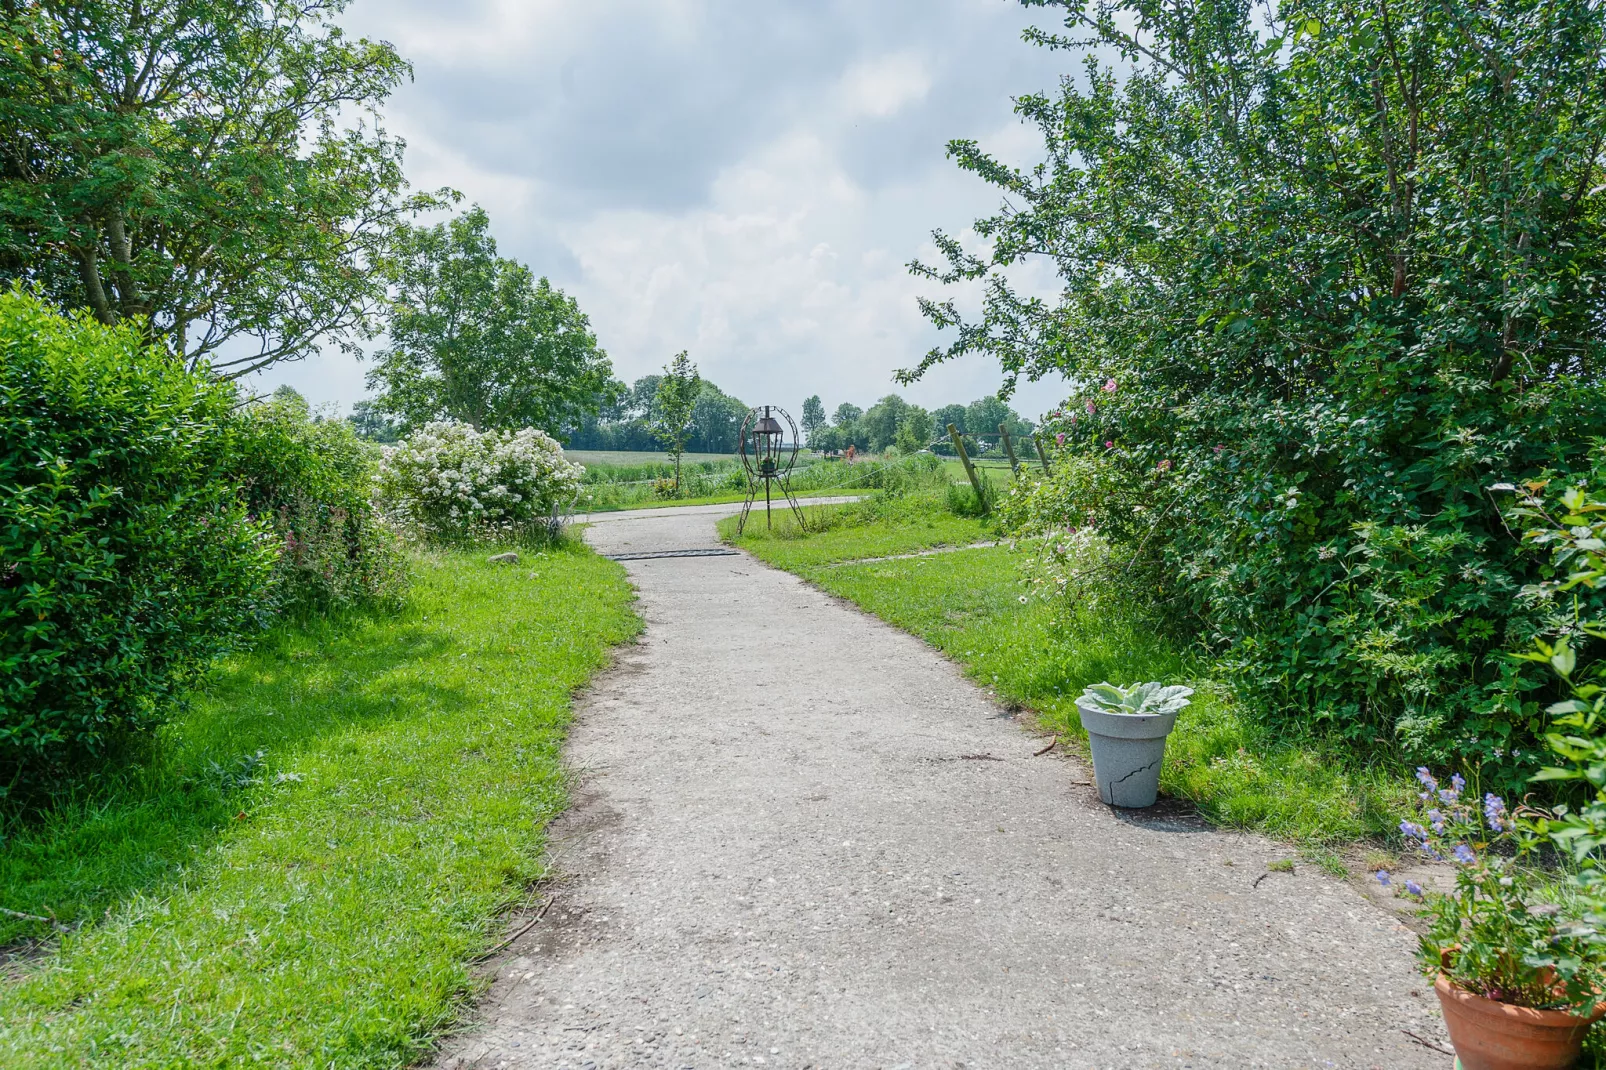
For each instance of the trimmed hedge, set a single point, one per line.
(128, 561)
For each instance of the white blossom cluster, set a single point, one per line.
(450, 481)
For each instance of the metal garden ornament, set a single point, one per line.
(768, 455)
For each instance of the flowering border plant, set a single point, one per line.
(1499, 934)
(449, 481)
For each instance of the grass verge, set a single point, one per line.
(304, 870)
(1040, 655)
(585, 508)
(873, 528)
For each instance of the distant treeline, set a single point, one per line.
(624, 422)
(892, 421)
(625, 419)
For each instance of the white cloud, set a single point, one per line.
(881, 87)
(746, 182)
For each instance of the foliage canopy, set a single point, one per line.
(478, 338)
(1328, 271)
(191, 164)
(675, 405)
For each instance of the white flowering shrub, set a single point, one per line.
(448, 481)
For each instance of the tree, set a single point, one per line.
(373, 425)
(643, 403)
(813, 417)
(880, 421)
(828, 438)
(1328, 272)
(677, 397)
(983, 416)
(915, 430)
(950, 414)
(212, 169)
(716, 420)
(477, 338)
(846, 414)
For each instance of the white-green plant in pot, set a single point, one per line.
(1126, 730)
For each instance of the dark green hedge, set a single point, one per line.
(128, 561)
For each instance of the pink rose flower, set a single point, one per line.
(1109, 386)
(1109, 445)
(1090, 408)
(1060, 438)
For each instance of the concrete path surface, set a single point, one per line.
(800, 838)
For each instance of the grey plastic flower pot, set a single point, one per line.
(1128, 750)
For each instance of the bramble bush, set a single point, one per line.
(313, 482)
(127, 559)
(450, 482)
(1328, 273)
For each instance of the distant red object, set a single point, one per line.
(848, 457)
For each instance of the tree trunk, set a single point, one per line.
(89, 268)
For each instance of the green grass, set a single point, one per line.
(302, 873)
(848, 532)
(637, 458)
(1039, 655)
(584, 507)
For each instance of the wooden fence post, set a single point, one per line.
(1042, 454)
(964, 459)
(1009, 448)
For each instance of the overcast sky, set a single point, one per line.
(745, 181)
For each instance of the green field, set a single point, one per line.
(631, 458)
(849, 532)
(306, 868)
(1040, 654)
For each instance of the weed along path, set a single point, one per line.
(801, 839)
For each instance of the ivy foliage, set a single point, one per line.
(127, 559)
(1328, 271)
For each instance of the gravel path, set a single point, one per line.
(801, 838)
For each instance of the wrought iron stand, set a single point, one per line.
(763, 434)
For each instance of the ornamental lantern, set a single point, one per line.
(768, 457)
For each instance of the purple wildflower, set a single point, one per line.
(1436, 819)
(1464, 855)
(1458, 783)
(1383, 877)
(1426, 778)
(1494, 810)
(1413, 888)
(1413, 831)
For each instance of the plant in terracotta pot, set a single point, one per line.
(1518, 973)
(1126, 730)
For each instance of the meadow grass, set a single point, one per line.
(639, 458)
(647, 501)
(1039, 655)
(874, 528)
(306, 865)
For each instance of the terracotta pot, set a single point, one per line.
(1489, 1035)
